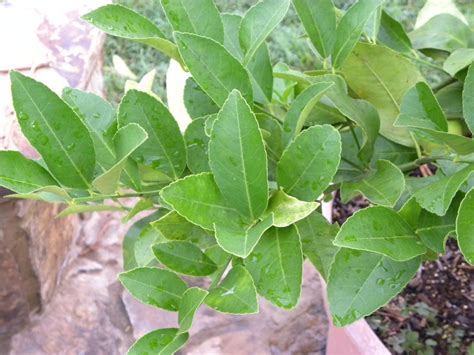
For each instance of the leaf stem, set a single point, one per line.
(115, 196)
(353, 134)
(443, 84)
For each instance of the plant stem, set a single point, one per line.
(358, 167)
(115, 196)
(353, 133)
(262, 109)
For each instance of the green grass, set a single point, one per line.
(287, 43)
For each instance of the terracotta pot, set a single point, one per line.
(355, 339)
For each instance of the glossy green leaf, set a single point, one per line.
(143, 245)
(382, 76)
(276, 265)
(420, 109)
(159, 342)
(301, 108)
(241, 241)
(459, 144)
(310, 162)
(52, 194)
(184, 258)
(450, 100)
(435, 230)
(468, 99)
(215, 70)
(437, 197)
(199, 17)
(458, 60)
(164, 150)
(119, 21)
(367, 281)
(174, 227)
(237, 157)
(128, 245)
(126, 141)
(140, 206)
(319, 20)
(257, 24)
(261, 74)
(198, 199)
(287, 210)
(155, 287)
(465, 227)
(392, 34)
(358, 111)
(192, 299)
(55, 131)
(74, 209)
(443, 32)
(22, 175)
(380, 230)
(236, 294)
(99, 116)
(383, 187)
(350, 28)
(231, 34)
(273, 143)
(317, 236)
(372, 26)
(197, 143)
(196, 101)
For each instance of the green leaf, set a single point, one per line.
(22, 175)
(420, 109)
(450, 100)
(215, 70)
(458, 60)
(160, 342)
(259, 67)
(73, 209)
(143, 245)
(380, 230)
(241, 241)
(257, 24)
(128, 245)
(465, 227)
(393, 35)
(236, 294)
(461, 145)
(126, 141)
(276, 265)
(301, 108)
(231, 34)
(309, 163)
(140, 206)
(119, 21)
(237, 157)
(192, 299)
(155, 287)
(273, 143)
(54, 130)
(164, 150)
(197, 143)
(196, 101)
(435, 230)
(261, 74)
(198, 199)
(383, 187)
(317, 236)
(360, 112)
(372, 26)
(350, 28)
(468, 99)
(382, 76)
(199, 17)
(287, 210)
(175, 227)
(184, 258)
(99, 116)
(436, 197)
(443, 32)
(319, 20)
(367, 281)
(52, 194)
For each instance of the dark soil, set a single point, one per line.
(435, 312)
